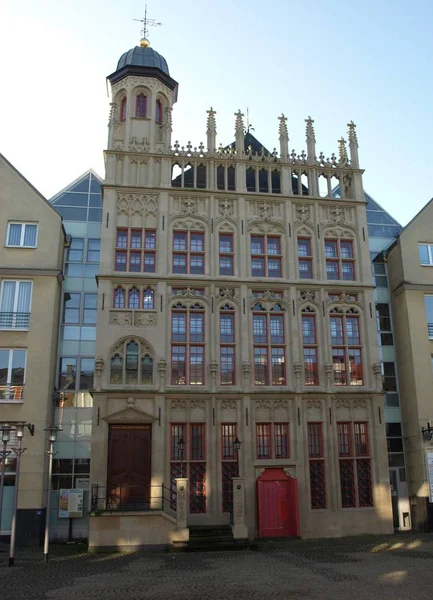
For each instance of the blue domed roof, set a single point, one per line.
(143, 57)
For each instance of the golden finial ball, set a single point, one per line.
(144, 43)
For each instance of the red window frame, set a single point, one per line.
(265, 257)
(346, 349)
(226, 255)
(305, 258)
(188, 253)
(135, 250)
(340, 259)
(316, 459)
(193, 462)
(227, 348)
(269, 354)
(356, 488)
(272, 441)
(141, 106)
(188, 345)
(310, 350)
(158, 112)
(119, 297)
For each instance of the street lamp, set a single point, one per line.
(427, 433)
(18, 451)
(237, 445)
(50, 453)
(5, 431)
(180, 447)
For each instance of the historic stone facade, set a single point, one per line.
(235, 303)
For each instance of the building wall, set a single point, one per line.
(153, 204)
(43, 267)
(411, 282)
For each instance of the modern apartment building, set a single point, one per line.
(32, 241)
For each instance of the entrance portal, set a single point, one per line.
(129, 467)
(277, 502)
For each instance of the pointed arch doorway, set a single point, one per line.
(277, 504)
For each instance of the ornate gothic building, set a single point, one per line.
(236, 342)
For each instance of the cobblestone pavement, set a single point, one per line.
(374, 567)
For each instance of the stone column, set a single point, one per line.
(182, 532)
(239, 528)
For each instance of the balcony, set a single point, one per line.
(14, 320)
(11, 393)
(430, 330)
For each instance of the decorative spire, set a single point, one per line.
(211, 130)
(353, 144)
(311, 140)
(144, 42)
(342, 151)
(284, 137)
(239, 132)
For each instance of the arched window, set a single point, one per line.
(227, 345)
(310, 348)
(269, 345)
(158, 112)
(134, 298)
(148, 298)
(187, 345)
(131, 363)
(119, 298)
(123, 109)
(141, 105)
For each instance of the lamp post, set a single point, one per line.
(237, 446)
(18, 451)
(180, 447)
(50, 453)
(6, 430)
(427, 433)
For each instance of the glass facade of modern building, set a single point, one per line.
(80, 205)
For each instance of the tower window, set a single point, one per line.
(158, 112)
(141, 105)
(123, 109)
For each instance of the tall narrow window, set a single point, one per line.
(226, 253)
(309, 337)
(141, 106)
(123, 109)
(265, 256)
(15, 301)
(119, 298)
(227, 346)
(187, 345)
(340, 259)
(193, 459)
(158, 112)
(269, 346)
(133, 298)
(384, 328)
(317, 465)
(346, 349)
(188, 252)
(305, 258)
(229, 464)
(135, 250)
(355, 465)
(148, 299)
(12, 374)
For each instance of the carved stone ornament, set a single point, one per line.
(186, 205)
(99, 365)
(263, 404)
(343, 403)
(307, 296)
(226, 293)
(359, 403)
(225, 207)
(281, 403)
(197, 403)
(124, 319)
(313, 404)
(229, 403)
(303, 215)
(179, 403)
(139, 145)
(268, 300)
(137, 204)
(143, 319)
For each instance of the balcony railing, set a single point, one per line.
(14, 320)
(116, 498)
(11, 392)
(430, 330)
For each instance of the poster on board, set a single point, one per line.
(430, 474)
(70, 504)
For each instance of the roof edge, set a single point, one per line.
(88, 172)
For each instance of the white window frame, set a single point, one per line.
(430, 254)
(14, 311)
(8, 378)
(23, 229)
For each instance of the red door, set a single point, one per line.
(129, 466)
(277, 503)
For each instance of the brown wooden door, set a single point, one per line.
(129, 467)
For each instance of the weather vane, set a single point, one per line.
(249, 126)
(147, 23)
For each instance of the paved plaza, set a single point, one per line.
(368, 567)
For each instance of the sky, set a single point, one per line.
(369, 61)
